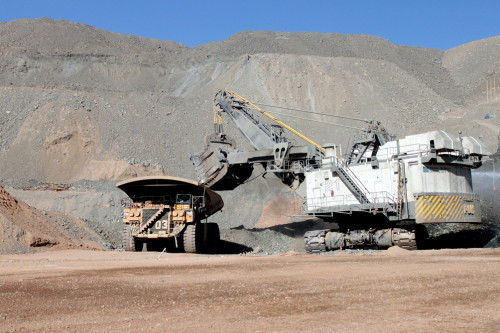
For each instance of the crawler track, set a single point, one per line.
(315, 241)
(405, 239)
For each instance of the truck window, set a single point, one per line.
(183, 199)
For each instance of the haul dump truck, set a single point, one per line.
(378, 192)
(169, 209)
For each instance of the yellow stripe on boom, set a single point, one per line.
(300, 135)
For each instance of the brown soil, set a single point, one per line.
(97, 291)
(26, 229)
(273, 213)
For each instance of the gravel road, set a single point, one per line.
(392, 291)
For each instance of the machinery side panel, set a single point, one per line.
(446, 208)
(326, 190)
(438, 178)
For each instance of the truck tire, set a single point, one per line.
(129, 242)
(213, 237)
(191, 238)
(196, 241)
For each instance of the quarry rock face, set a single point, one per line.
(79, 104)
(25, 229)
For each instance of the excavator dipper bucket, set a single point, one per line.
(213, 170)
(209, 168)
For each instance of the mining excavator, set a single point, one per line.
(378, 193)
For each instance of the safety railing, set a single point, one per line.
(406, 150)
(325, 202)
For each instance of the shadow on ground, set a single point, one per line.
(482, 237)
(289, 237)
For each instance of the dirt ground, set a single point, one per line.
(394, 290)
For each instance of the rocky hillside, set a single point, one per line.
(79, 103)
(25, 229)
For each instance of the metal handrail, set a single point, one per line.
(346, 199)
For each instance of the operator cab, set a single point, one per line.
(183, 199)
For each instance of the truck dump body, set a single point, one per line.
(164, 189)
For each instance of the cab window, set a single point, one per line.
(183, 199)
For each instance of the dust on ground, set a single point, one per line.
(391, 291)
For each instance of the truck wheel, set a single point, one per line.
(191, 238)
(213, 237)
(130, 243)
(196, 241)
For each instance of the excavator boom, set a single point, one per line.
(221, 166)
